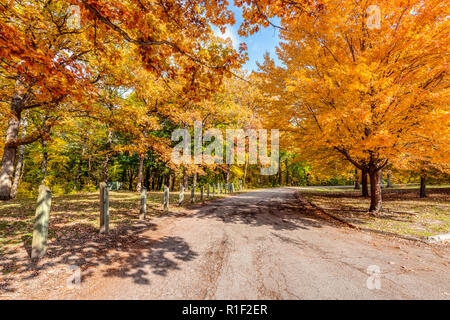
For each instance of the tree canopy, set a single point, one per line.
(91, 90)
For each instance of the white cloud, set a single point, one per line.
(229, 33)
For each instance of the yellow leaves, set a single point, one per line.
(372, 93)
(237, 171)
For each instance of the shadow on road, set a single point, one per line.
(280, 209)
(125, 252)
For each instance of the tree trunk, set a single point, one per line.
(9, 153)
(245, 173)
(171, 184)
(357, 185)
(107, 156)
(423, 192)
(280, 176)
(194, 181)
(161, 183)
(364, 182)
(286, 162)
(19, 165)
(140, 172)
(389, 179)
(105, 168)
(80, 163)
(130, 180)
(153, 181)
(228, 174)
(89, 170)
(375, 191)
(147, 178)
(44, 164)
(185, 179)
(381, 178)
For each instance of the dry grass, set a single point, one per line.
(403, 211)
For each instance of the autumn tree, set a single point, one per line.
(364, 92)
(46, 62)
(41, 64)
(427, 151)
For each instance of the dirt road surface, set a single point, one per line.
(265, 244)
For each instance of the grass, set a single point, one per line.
(403, 211)
(73, 215)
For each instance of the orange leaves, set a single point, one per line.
(372, 93)
(37, 47)
(169, 32)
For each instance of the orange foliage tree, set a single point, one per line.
(369, 93)
(49, 62)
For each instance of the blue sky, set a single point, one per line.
(265, 40)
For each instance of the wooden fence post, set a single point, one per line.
(42, 216)
(166, 197)
(143, 208)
